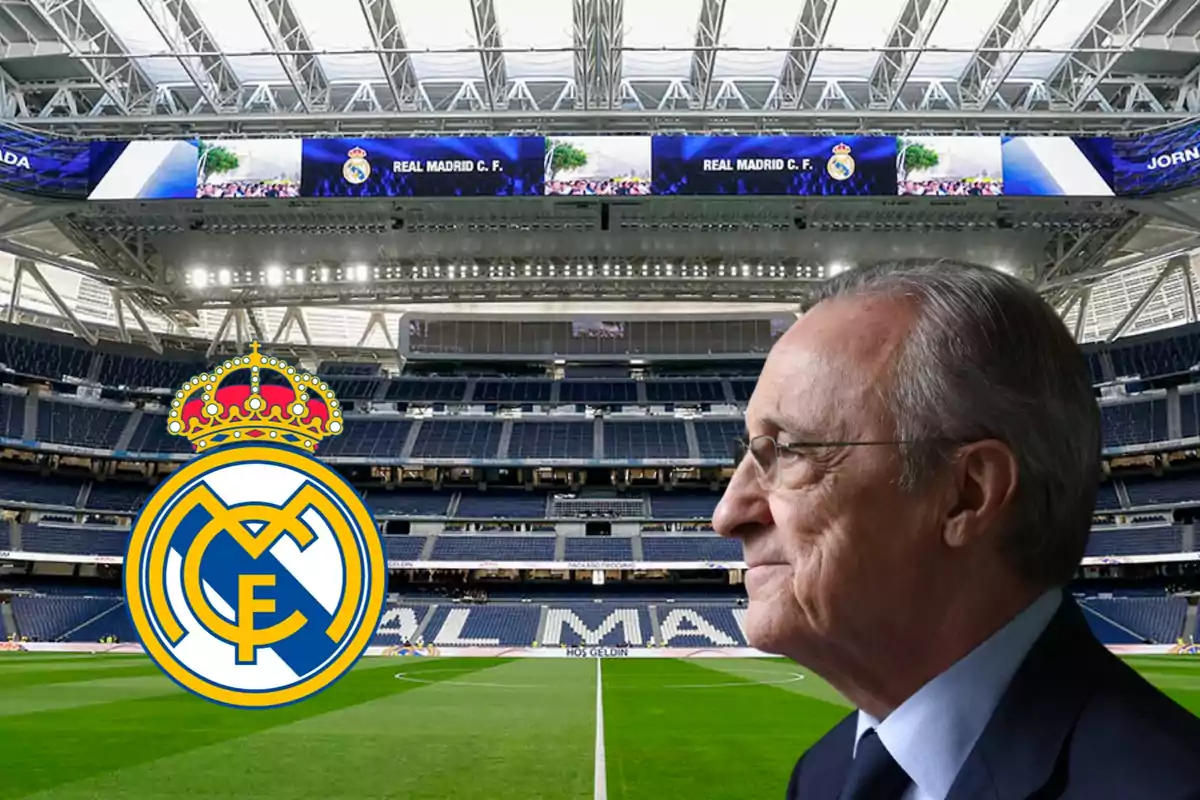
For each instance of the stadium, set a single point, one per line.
(539, 252)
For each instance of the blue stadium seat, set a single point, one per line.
(743, 388)
(48, 619)
(493, 548)
(354, 388)
(1134, 423)
(403, 548)
(109, 496)
(716, 437)
(30, 356)
(684, 391)
(440, 438)
(598, 548)
(1159, 619)
(683, 505)
(699, 625)
(1106, 631)
(1134, 541)
(512, 391)
(399, 622)
(510, 626)
(408, 503)
(143, 372)
(501, 504)
(1177, 488)
(608, 624)
(559, 440)
(645, 439)
(1106, 497)
(691, 548)
(34, 489)
(12, 416)
(150, 436)
(595, 392)
(427, 390)
(111, 623)
(328, 369)
(74, 541)
(370, 438)
(80, 425)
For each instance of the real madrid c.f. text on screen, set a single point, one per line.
(255, 574)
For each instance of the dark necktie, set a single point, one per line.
(874, 774)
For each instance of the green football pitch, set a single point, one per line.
(81, 726)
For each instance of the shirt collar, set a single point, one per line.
(931, 734)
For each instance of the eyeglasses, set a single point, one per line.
(766, 449)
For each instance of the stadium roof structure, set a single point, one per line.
(597, 66)
(266, 68)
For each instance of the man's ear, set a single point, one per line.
(984, 478)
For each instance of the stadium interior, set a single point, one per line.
(543, 377)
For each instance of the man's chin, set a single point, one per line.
(767, 626)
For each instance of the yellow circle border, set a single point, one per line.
(319, 473)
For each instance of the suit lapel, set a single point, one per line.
(1019, 749)
(823, 769)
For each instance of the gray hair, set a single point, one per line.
(988, 358)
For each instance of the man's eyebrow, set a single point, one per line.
(792, 428)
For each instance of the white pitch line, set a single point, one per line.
(601, 783)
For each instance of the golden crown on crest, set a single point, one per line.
(237, 402)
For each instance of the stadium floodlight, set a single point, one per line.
(359, 273)
(199, 278)
(224, 277)
(324, 274)
(274, 276)
(837, 267)
(299, 275)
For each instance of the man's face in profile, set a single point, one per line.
(834, 544)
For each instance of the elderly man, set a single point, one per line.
(915, 490)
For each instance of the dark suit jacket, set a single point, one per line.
(1075, 722)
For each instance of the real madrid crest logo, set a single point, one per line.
(840, 165)
(255, 575)
(356, 169)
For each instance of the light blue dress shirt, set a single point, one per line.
(933, 732)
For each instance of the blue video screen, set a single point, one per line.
(506, 166)
(774, 165)
(43, 165)
(1058, 166)
(1159, 161)
(143, 170)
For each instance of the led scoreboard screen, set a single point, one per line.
(504, 166)
(774, 165)
(603, 166)
(1159, 161)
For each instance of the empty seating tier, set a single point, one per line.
(598, 548)
(512, 391)
(690, 548)
(369, 438)
(716, 437)
(1134, 541)
(73, 540)
(408, 503)
(552, 440)
(1134, 423)
(493, 548)
(500, 504)
(81, 425)
(645, 440)
(444, 439)
(34, 489)
(403, 548)
(1159, 619)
